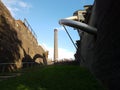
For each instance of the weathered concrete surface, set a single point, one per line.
(106, 65)
(101, 53)
(17, 43)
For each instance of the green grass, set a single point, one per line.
(56, 77)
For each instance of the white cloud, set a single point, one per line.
(24, 5)
(13, 10)
(15, 6)
(62, 53)
(59, 28)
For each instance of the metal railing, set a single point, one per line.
(3, 66)
(29, 27)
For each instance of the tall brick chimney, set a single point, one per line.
(55, 45)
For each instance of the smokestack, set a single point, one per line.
(55, 45)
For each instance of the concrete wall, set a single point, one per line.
(101, 53)
(17, 43)
(106, 65)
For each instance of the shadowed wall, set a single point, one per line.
(17, 42)
(101, 52)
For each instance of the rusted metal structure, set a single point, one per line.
(99, 46)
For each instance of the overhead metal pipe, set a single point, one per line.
(79, 25)
(72, 18)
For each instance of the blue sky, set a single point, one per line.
(43, 16)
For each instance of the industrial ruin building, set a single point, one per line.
(99, 46)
